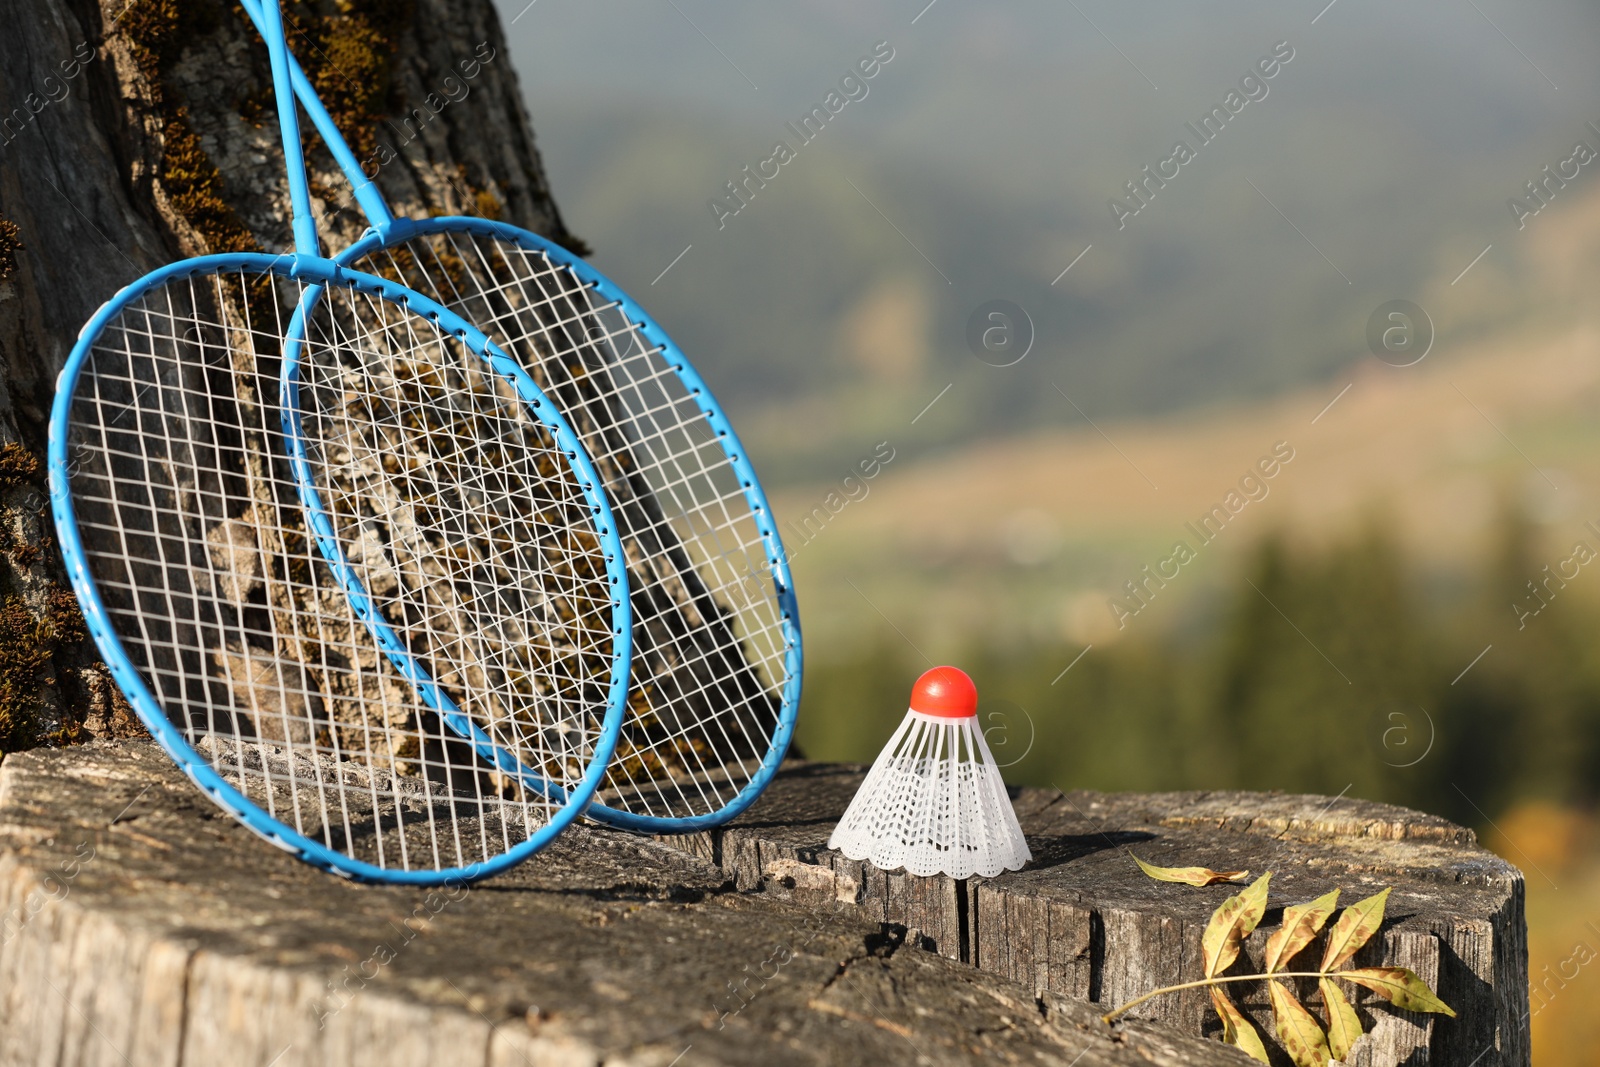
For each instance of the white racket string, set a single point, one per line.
(196, 540)
(461, 518)
(710, 650)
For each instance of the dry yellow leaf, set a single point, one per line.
(1297, 1029)
(1301, 924)
(1236, 1029)
(1400, 986)
(1196, 876)
(1231, 923)
(1355, 928)
(1343, 1025)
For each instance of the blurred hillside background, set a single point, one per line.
(1381, 622)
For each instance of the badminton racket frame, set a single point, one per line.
(387, 230)
(149, 708)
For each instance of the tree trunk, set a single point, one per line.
(133, 134)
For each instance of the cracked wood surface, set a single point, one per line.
(1083, 922)
(139, 925)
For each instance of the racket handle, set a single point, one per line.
(365, 189)
(305, 225)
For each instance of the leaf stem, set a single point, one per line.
(1202, 983)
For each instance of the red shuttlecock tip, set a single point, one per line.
(945, 691)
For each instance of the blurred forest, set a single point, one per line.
(1365, 692)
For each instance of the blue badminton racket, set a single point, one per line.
(717, 650)
(369, 689)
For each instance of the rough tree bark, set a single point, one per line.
(136, 133)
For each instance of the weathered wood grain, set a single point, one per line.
(1082, 921)
(138, 925)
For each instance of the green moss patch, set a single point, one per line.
(18, 466)
(348, 55)
(157, 31)
(10, 245)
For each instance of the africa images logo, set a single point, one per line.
(852, 87)
(1252, 87)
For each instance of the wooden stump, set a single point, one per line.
(139, 925)
(1082, 921)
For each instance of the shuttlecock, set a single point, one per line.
(933, 802)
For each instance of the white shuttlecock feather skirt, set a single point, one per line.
(934, 803)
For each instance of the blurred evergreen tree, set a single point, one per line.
(1116, 720)
(1525, 720)
(1323, 656)
(848, 708)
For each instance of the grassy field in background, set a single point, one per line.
(1023, 541)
